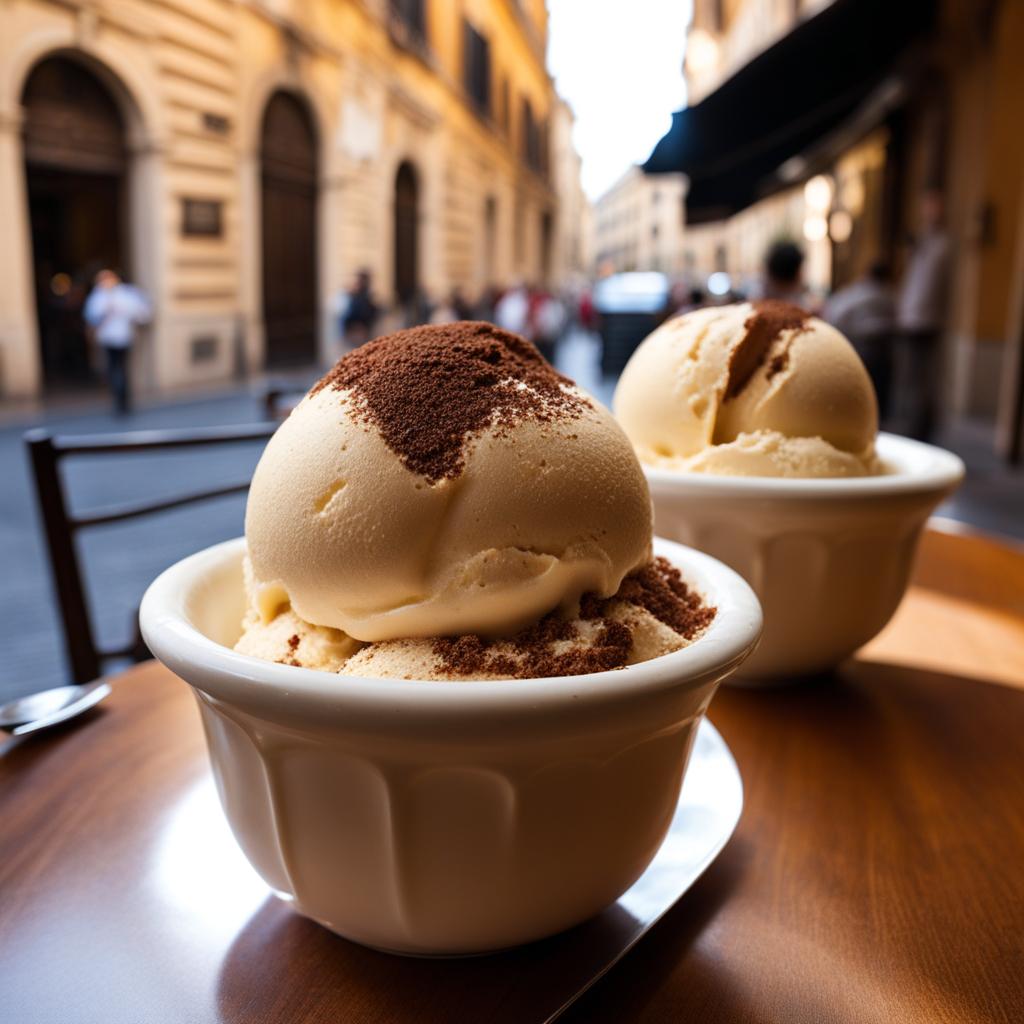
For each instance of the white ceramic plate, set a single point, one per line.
(215, 892)
(709, 809)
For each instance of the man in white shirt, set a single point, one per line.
(115, 310)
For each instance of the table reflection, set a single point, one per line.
(200, 873)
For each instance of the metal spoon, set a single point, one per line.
(50, 707)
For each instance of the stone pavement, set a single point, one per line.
(120, 560)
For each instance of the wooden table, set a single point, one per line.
(877, 873)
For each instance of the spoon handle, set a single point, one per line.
(87, 700)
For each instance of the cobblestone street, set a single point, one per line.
(120, 560)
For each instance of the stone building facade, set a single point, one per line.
(639, 222)
(241, 160)
(723, 36)
(573, 253)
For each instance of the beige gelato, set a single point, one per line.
(592, 636)
(446, 482)
(750, 389)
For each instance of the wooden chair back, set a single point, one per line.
(60, 524)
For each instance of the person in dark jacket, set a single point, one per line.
(865, 311)
(361, 312)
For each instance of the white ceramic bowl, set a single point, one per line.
(829, 559)
(443, 817)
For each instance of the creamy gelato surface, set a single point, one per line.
(444, 490)
(654, 613)
(750, 389)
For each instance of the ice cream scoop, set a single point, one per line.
(441, 481)
(653, 613)
(750, 389)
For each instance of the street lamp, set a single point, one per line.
(818, 193)
(701, 52)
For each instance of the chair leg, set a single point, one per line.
(58, 528)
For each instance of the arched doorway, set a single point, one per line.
(76, 165)
(288, 155)
(406, 235)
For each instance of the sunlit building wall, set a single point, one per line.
(241, 160)
(639, 224)
(723, 36)
(967, 137)
(572, 256)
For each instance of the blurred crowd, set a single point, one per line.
(537, 313)
(896, 325)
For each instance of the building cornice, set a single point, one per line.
(401, 99)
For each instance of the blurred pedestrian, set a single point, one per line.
(512, 310)
(485, 308)
(339, 310)
(546, 319)
(783, 273)
(418, 308)
(865, 311)
(921, 316)
(361, 312)
(585, 311)
(455, 307)
(461, 306)
(115, 310)
(693, 299)
(444, 312)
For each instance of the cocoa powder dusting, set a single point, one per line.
(535, 655)
(430, 390)
(778, 363)
(763, 327)
(541, 651)
(659, 588)
(293, 643)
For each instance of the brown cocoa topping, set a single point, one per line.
(534, 653)
(778, 363)
(431, 390)
(763, 327)
(659, 588)
(535, 656)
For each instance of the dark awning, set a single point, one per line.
(827, 73)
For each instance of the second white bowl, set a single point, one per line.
(829, 559)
